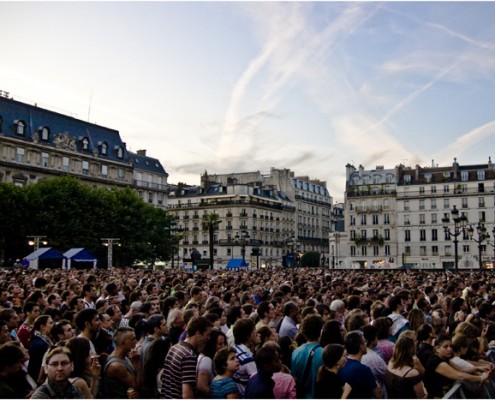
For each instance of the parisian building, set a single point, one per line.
(37, 144)
(397, 217)
(264, 215)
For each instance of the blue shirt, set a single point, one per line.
(220, 388)
(360, 377)
(300, 358)
(288, 328)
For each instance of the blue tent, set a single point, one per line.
(236, 263)
(46, 257)
(80, 257)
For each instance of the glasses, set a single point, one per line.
(57, 364)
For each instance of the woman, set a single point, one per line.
(153, 367)
(285, 385)
(402, 379)
(328, 384)
(226, 364)
(416, 318)
(384, 347)
(267, 334)
(439, 375)
(332, 333)
(39, 345)
(86, 373)
(205, 360)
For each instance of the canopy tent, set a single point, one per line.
(46, 257)
(236, 263)
(80, 258)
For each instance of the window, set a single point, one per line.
(19, 127)
(44, 159)
(353, 235)
(352, 220)
(481, 202)
(433, 204)
(433, 189)
(104, 171)
(406, 205)
(104, 149)
(464, 202)
(386, 218)
(434, 235)
(353, 250)
(85, 143)
(1, 122)
(481, 216)
(433, 218)
(481, 187)
(386, 204)
(422, 204)
(422, 219)
(120, 174)
(407, 235)
(375, 233)
(363, 219)
(422, 235)
(375, 250)
(407, 250)
(44, 133)
(85, 168)
(363, 234)
(407, 178)
(406, 219)
(375, 219)
(464, 176)
(448, 250)
(446, 188)
(421, 190)
(363, 251)
(446, 203)
(387, 250)
(465, 248)
(19, 154)
(386, 233)
(481, 175)
(120, 152)
(422, 251)
(65, 164)
(434, 250)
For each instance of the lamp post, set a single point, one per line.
(171, 233)
(36, 240)
(109, 242)
(459, 226)
(242, 240)
(482, 236)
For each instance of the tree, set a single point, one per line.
(311, 259)
(210, 223)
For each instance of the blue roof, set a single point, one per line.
(36, 118)
(79, 254)
(45, 253)
(146, 163)
(236, 263)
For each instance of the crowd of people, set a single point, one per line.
(281, 333)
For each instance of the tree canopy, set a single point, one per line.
(73, 214)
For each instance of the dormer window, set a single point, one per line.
(19, 127)
(84, 143)
(481, 175)
(428, 177)
(407, 178)
(103, 149)
(119, 151)
(44, 133)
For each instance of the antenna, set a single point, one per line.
(90, 100)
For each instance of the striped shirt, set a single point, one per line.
(179, 368)
(247, 367)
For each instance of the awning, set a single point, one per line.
(236, 263)
(81, 255)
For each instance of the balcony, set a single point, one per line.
(243, 214)
(229, 215)
(375, 240)
(229, 227)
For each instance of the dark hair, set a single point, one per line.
(57, 329)
(331, 333)
(382, 326)
(233, 315)
(311, 327)
(369, 332)
(39, 321)
(87, 288)
(243, 328)
(353, 341)
(210, 347)
(332, 353)
(155, 321)
(395, 302)
(10, 354)
(198, 325)
(84, 316)
(80, 349)
(28, 307)
(220, 359)
(265, 356)
(263, 309)
(424, 332)
(153, 361)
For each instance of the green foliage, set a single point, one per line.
(73, 214)
(310, 259)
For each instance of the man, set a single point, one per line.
(133, 310)
(179, 371)
(4, 298)
(157, 329)
(123, 368)
(12, 358)
(12, 320)
(399, 323)
(288, 327)
(67, 296)
(246, 337)
(32, 311)
(58, 369)
(115, 314)
(195, 294)
(89, 295)
(310, 352)
(261, 385)
(62, 330)
(265, 314)
(357, 375)
(88, 322)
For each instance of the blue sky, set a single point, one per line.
(243, 86)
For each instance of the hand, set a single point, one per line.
(484, 376)
(134, 355)
(95, 367)
(347, 390)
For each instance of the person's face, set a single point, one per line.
(163, 327)
(364, 348)
(106, 321)
(95, 323)
(68, 332)
(13, 322)
(273, 336)
(130, 341)
(255, 337)
(155, 290)
(445, 349)
(117, 316)
(4, 296)
(220, 342)
(57, 301)
(4, 334)
(59, 368)
(203, 338)
(80, 304)
(35, 312)
(232, 362)
(155, 307)
(45, 329)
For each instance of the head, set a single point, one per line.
(334, 355)
(87, 320)
(11, 359)
(80, 350)
(59, 365)
(198, 331)
(404, 351)
(216, 341)
(243, 330)
(311, 327)
(225, 360)
(355, 343)
(443, 347)
(43, 324)
(125, 338)
(62, 330)
(268, 360)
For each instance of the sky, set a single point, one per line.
(246, 86)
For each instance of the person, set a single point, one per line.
(384, 346)
(328, 385)
(261, 384)
(40, 343)
(245, 336)
(153, 367)
(123, 368)
(58, 369)
(265, 313)
(206, 374)
(307, 359)
(24, 333)
(332, 333)
(285, 385)
(12, 358)
(61, 331)
(288, 326)
(157, 329)
(425, 348)
(403, 380)
(399, 323)
(175, 324)
(178, 379)
(357, 375)
(226, 364)
(88, 323)
(372, 359)
(439, 375)
(86, 373)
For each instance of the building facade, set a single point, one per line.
(37, 144)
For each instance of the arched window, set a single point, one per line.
(104, 149)
(85, 143)
(120, 152)
(19, 127)
(44, 133)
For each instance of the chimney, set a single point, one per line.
(141, 152)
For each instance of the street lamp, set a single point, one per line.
(109, 242)
(242, 240)
(459, 226)
(482, 236)
(36, 240)
(174, 238)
